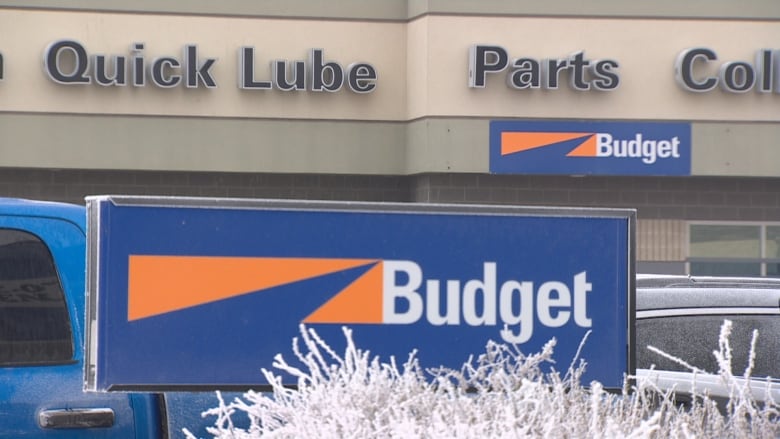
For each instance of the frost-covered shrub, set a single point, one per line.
(502, 393)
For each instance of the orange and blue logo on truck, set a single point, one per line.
(163, 284)
(387, 292)
(590, 148)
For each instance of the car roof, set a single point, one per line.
(669, 292)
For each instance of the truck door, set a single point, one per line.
(41, 352)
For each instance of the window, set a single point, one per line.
(34, 323)
(773, 251)
(734, 250)
(694, 338)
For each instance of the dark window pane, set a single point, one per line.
(34, 322)
(726, 268)
(694, 338)
(725, 241)
(772, 241)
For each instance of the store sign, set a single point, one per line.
(68, 62)
(233, 281)
(697, 69)
(530, 73)
(590, 148)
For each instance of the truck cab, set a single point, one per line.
(42, 299)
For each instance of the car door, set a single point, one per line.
(41, 353)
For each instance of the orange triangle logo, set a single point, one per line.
(161, 284)
(360, 302)
(512, 142)
(586, 148)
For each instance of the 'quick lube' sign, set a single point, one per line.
(192, 70)
(439, 279)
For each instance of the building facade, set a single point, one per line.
(671, 108)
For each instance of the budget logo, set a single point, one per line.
(590, 148)
(383, 292)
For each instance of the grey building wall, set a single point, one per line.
(663, 204)
(688, 198)
(427, 145)
(680, 198)
(72, 186)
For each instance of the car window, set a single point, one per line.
(695, 338)
(34, 322)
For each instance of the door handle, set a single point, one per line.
(76, 418)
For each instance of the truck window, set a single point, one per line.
(694, 338)
(34, 322)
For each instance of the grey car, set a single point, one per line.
(682, 316)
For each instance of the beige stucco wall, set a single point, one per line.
(409, 9)
(662, 240)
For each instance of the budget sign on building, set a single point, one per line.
(590, 148)
(223, 285)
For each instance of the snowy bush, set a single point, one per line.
(502, 393)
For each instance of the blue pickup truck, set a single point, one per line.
(42, 300)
